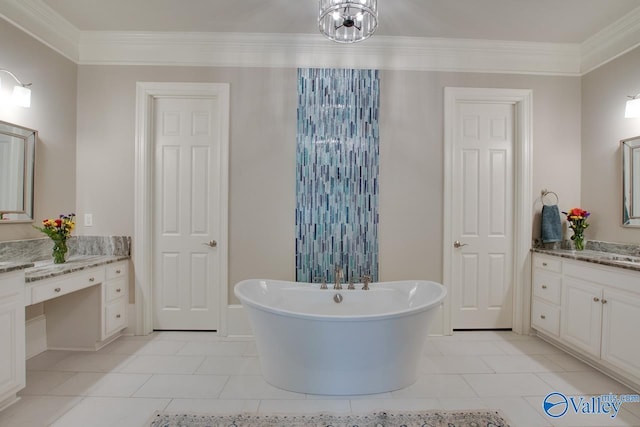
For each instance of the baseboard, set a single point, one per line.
(8, 402)
(35, 336)
(238, 322)
(131, 321)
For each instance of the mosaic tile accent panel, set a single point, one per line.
(337, 173)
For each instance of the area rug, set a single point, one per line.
(434, 418)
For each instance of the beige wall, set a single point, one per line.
(411, 159)
(262, 158)
(604, 94)
(52, 114)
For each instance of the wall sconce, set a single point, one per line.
(21, 92)
(633, 107)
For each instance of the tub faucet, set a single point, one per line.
(366, 279)
(338, 284)
(324, 281)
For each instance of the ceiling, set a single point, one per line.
(556, 21)
(548, 37)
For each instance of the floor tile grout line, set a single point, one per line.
(82, 398)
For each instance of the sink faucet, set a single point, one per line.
(338, 284)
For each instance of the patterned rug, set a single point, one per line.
(435, 418)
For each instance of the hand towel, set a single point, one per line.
(551, 224)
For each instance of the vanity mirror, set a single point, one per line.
(17, 159)
(631, 182)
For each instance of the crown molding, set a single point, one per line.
(306, 50)
(37, 19)
(611, 42)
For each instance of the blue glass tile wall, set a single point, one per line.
(337, 173)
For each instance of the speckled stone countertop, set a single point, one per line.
(611, 259)
(47, 269)
(9, 266)
(34, 255)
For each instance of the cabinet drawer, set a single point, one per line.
(547, 263)
(545, 317)
(115, 317)
(116, 270)
(115, 289)
(547, 285)
(68, 283)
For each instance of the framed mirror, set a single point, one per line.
(631, 182)
(17, 162)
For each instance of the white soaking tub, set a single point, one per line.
(369, 342)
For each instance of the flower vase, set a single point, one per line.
(59, 251)
(578, 240)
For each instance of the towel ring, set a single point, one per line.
(546, 193)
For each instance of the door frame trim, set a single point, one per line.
(143, 199)
(522, 99)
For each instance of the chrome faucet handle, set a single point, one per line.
(324, 281)
(366, 279)
(351, 285)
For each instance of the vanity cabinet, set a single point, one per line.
(12, 337)
(582, 315)
(84, 310)
(620, 331)
(598, 313)
(547, 292)
(115, 299)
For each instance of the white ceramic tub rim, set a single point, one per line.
(315, 287)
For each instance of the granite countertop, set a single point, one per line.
(9, 266)
(47, 269)
(611, 259)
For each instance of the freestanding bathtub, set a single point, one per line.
(369, 342)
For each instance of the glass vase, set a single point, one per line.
(578, 240)
(59, 251)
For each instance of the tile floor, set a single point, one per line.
(124, 383)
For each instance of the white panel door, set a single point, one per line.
(482, 223)
(186, 214)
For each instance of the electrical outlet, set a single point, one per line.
(88, 220)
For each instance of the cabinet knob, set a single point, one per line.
(544, 264)
(92, 279)
(118, 272)
(117, 316)
(57, 289)
(596, 299)
(542, 316)
(544, 286)
(604, 301)
(118, 290)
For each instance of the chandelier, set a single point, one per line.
(348, 21)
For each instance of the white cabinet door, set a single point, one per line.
(581, 315)
(620, 332)
(12, 352)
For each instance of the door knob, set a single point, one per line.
(457, 244)
(212, 243)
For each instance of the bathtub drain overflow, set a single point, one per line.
(337, 298)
